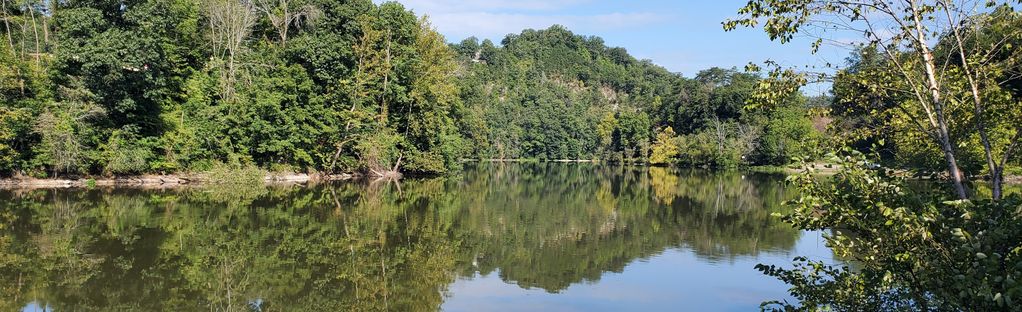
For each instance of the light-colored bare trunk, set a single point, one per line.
(934, 87)
(35, 32)
(997, 184)
(347, 127)
(10, 42)
(282, 29)
(230, 24)
(46, 29)
(24, 43)
(995, 169)
(386, 84)
(394, 173)
(7, 27)
(280, 22)
(288, 16)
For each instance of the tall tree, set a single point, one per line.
(230, 24)
(124, 53)
(428, 123)
(286, 14)
(907, 33)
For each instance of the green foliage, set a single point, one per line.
(68, 136)
(911, 249)
(243, 175)
(380, 151)
(552, 94)
(23, 92)
(863, 115)
(722, 145)
(728, 121)
(126, 154)
(164, 86)
(277, 118)
(60, 146)
(127, 57)
(428, 122)
(866, 115)
(665, 149)
(15, 124)
(716, 94)
(788, 134)
(942, 73)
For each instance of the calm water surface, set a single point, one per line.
(501, 237)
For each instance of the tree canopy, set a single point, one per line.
(552, 94)
(145, 86)
(162, 86)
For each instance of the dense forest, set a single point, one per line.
(131, 87)
(551, 94)
(127, 87)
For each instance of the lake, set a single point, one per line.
(496, 237)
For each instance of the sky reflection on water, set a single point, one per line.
(503, 237)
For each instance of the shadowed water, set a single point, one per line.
(516, 237)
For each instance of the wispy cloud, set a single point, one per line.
(449, 6)
(495, 19)
(496, 25)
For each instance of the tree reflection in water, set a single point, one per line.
(370, 246)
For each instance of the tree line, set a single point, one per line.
(93, 87)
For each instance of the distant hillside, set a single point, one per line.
(554, 94)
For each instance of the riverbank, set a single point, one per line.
(824, 169)
(164, 181)
(529, 160)
(198, 179)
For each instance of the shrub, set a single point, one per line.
(723, 145)
(61, 147)
(788, 133)
(379, 151)
(912, 250)
(247, 174)
(665, 150)
(14, 124)
(127, 155)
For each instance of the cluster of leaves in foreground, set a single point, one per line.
(909, 250)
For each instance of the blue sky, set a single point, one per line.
(682, 35)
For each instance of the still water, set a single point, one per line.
(497, 237)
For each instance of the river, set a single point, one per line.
(495, 237)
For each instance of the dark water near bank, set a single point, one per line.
(509, 237)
